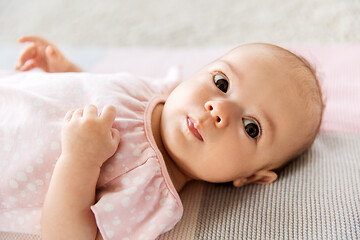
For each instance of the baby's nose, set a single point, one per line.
(219, 111)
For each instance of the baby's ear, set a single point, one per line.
(264, 177)
(260, 177)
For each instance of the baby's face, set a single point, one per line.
(236, 116)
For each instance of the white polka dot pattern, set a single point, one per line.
(136, 197)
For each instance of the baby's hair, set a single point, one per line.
(316, 97)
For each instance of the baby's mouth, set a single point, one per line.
(193, 129)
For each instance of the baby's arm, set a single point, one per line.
(88, 140)
(45, 55)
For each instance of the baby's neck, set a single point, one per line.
(177, 177)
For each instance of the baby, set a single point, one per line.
(239, 120)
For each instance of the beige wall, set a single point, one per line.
(181, 22)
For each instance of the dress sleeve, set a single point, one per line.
(137, 205)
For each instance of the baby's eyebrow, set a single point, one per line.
(230, 68)
(226, 64)
(269, 123)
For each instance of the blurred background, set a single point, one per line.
(174, 23)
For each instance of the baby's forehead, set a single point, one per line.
(274, 65)
(260, 51)
(256, 59)
(270, 58)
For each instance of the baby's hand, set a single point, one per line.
(43, 54)
(88, 138)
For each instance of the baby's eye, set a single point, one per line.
(251, 127)
(221, 82)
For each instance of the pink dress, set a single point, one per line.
(135, 196)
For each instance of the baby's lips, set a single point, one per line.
(193, 127)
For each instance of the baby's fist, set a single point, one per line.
(88, 137)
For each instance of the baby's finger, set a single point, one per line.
(69, 115)
(108, 114)
(78, 112)
(50, 52)
(90, 111)
(115, 136)
(30, 64)
(34, 39)
(28, 53)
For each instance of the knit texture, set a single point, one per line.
(316, 197)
